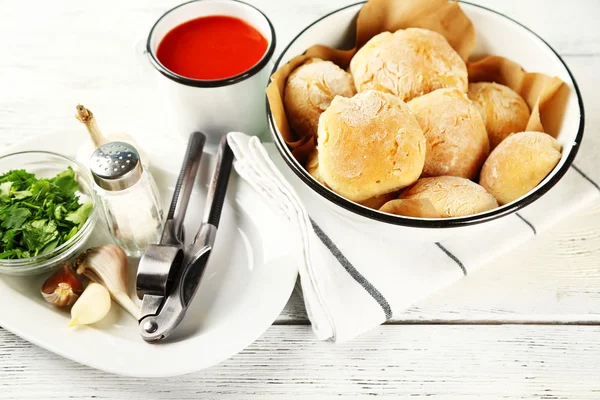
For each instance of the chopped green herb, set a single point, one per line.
(5, 189)
(22, 194)
(38, 215)
(14, 217)
(79, 216)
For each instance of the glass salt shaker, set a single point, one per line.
(128, 195)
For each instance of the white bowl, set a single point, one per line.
(497, 34)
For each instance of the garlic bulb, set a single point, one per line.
(62, 288)
(98, 139)
(107, 265)
(92, 306)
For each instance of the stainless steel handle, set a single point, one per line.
(218, 185)
(173, 232)
(197, 255)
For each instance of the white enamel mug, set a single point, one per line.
(214, 107)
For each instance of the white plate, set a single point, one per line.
(247, 282)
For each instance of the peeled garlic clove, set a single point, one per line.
(62, 288)
(92, 305)
(107, 265)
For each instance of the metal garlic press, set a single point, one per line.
(169, 272)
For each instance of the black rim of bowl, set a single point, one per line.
(212, 83)
(421, 222)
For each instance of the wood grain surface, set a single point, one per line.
(432, 361)
(54, 55)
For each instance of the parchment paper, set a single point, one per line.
(539, 91)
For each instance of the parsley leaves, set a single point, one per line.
(38, 215)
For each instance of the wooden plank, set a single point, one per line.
(446, 362)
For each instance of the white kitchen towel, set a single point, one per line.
(352, 282)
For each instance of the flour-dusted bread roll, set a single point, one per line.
(408, 63)
(418, 208)
(452, 196)
(309, 91)
(519, 164)
(312, 166)
(457, 143)
(502, 109)
(369, 145)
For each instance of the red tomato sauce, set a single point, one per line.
(209, 48)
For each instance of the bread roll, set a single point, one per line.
(452, 196)
(519, 164)
(378, 201)
(309, 91)
(408, 63)
(369, 145)
(457, 143)
(502, 109)
(312, 166)
(418, 208)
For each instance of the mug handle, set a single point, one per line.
(141, 53)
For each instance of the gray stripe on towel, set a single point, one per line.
(453, 257)
(357, 276)
(585, 176)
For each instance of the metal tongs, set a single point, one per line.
(169, 273)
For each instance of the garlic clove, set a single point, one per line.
(62, 288)
(107, 265)
(92, 305)
(97, 138)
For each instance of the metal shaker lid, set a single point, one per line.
(116, 166)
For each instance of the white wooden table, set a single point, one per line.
(525, 327)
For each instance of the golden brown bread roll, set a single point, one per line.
(502, 109)
(378, 201)
(457, 143)
(312, 166)
(452, 196)
(519, 164)
(418, 208)
(309, 91)
(408, 63)
(369, 145)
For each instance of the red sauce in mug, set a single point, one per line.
(209, 48)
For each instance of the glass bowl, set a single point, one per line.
(45, 164)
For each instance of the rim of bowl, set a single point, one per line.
(392, 219)
(46, 257)
(212, 83)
